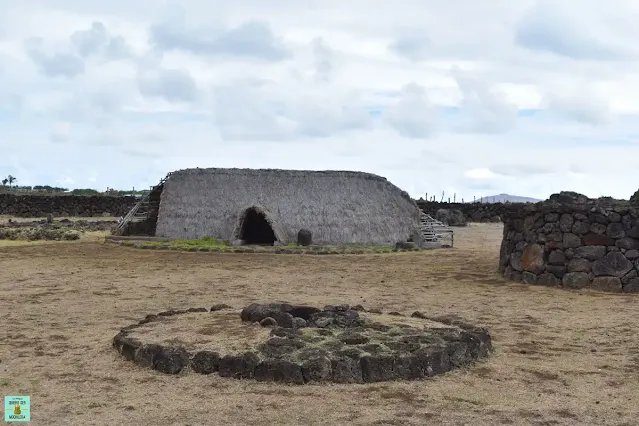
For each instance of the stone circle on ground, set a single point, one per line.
(299, 344)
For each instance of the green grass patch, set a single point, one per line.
(207, 242)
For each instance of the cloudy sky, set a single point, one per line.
(468, 97)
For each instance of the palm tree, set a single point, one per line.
(5, 181)
(11, 179)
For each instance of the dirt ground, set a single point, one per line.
(562, 357)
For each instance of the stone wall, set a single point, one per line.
(75, 205)
(474, 212)
(64, 205)
(572, 246)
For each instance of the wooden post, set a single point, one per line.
(454, 196)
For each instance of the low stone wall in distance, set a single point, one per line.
(474, 212)
(64, 205)
(572, 246)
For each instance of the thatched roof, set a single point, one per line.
(336, 206)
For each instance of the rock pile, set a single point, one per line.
(338, 343)
(452, 217)
(572, 246)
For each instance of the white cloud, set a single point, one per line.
(474, 98)
(61, 132)
(412, 115)
(479, 174)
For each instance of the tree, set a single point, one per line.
(11, 179)
(5, 181)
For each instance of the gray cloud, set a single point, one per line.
(413, 116)
(258, 109)
(56, 64)
(485, 110)
(583, 106)
(551, 28)
(414, 48)
(323, 60)
(91, 41)
(58, 137)
(172, 85)
(251, 39)
(97, 41)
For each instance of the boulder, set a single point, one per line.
(532, 259)
(575, 280)
(528, 278)
(304, 237)
(268, 322)
(558, 270)
(516, 261)
(613, 264)
(240, 366)
(278, 311)
(346, 370)
(607, 284)
(316, 369)
(578, 265)
(548, 279)
(615, 230)
(627, 243)
(171, 360)
(571, 240)
(565, 222)
(451, 217)
(279, 370)
(556, 257)
(145, 355)
(580, 228)
(205, 362)
(591, 252)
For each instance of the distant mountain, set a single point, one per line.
(502, 198)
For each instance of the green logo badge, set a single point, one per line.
(17, 408)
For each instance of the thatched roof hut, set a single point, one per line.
(264, 206)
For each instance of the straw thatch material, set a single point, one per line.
(338, 207)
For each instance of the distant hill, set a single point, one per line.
(502, 198)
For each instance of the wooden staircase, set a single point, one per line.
(434, 230)
(144, 210)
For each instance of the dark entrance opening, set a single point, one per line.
(256, 230)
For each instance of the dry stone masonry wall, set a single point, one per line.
(473, 212)
(572, 246)
(78, 205)
(64, 205)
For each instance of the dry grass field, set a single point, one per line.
(562, 358)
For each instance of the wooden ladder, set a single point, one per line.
(434, 230)
(142, 208)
